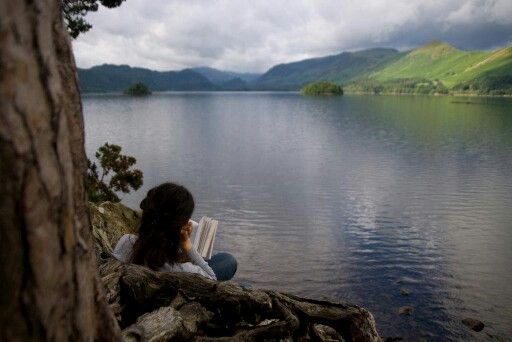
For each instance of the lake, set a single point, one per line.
(350, 198)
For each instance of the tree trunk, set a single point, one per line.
(50, 286)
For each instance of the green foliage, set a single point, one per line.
(116, 174)
(137, 89)
(322, 88)
(397, 86)
(490, 85)
(74, 12)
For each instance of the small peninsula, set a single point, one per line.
(137, 89)
(322, 88)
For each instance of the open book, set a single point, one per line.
(203, 236)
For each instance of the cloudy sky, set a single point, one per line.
(253, 35)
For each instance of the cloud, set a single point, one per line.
(255, 35)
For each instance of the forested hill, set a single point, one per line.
(433, 68)
(116, 78)
(339, 68)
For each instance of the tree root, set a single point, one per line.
(158, 306)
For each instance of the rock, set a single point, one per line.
(497, 337)
(473, 323)
(245, 285)
(407, 280)
(394, 339)
(405, 292)
(406, 310)
(110, 221)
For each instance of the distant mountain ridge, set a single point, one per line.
(338, 68)
(435, 67)
(220, 76)
(116, 78)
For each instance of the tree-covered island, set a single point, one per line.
(137, 89)
(322, 88)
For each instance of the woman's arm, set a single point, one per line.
(198, 261)
(193, 255)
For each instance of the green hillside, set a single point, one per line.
(439, 67)
(339, 68)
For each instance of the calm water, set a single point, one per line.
(348, 198)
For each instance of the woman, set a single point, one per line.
(164, 237)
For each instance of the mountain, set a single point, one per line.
(235, 84)
(433, 68)
(219, 77)
(116, 78)
(338, 68)
(438, 60)
(436, 67)
(439, 67)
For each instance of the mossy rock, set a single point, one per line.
(110, 221)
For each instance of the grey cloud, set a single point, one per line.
(253, 36)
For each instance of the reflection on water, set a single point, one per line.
(350, 198)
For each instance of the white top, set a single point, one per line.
(124, 248)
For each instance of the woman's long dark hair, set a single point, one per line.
(165, 210)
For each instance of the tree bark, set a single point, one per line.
(50, 287)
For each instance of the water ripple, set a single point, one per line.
(350, 199)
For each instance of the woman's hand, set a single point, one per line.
(185, 242)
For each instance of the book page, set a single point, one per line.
(211, 237)
(208, 240)
(205, 236)
(196, 231)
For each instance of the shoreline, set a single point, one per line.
(294, 91)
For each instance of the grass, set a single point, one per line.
(440, 62)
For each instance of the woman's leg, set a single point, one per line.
(224, 265)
